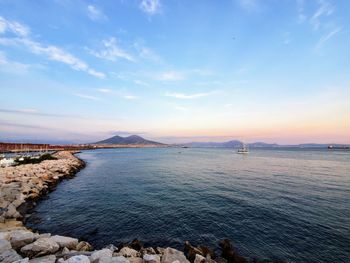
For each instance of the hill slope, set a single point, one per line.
(130, 140)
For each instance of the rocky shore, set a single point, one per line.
(22, 186)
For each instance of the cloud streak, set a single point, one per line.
(95, 14)
(111, 51)
(51, 52)
(88, 97)
(150, 7)
(188, 96)
(327, 37)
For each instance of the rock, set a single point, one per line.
(199, 259)
(148, 250)
(134, 260)
(4, 245)
(121, 259)
(24, 260)
(5, 235)
(170, 255)
(20, 238)
(101, 256)
(229, 253)
(67, 242)
(42, 246)
(83, 246)
(47, 235)
(160, 250)
(136, 244)
(44, 259)
(112, 247)
(128, 252)
(77, 259)
(9, 256)
(147, 258)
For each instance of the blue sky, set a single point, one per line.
(175, 71)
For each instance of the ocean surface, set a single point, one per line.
(289, 205)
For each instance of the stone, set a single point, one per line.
(77, 259)
(9, 256)
(4, 245)
(148, 258)
(136, 244)
(67, 242)
(148, 250)
(42, 246)
(121, 259)
(24, 260)
(20, 238)
(128, 252)
(170, 255)
(199, 259)
(134, 260)
(44, 259)
(102, 256)
(83, 246)
(112, 247)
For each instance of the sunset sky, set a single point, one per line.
(175, 70)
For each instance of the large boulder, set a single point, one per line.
(67, 242)
(199, 259)
(4, 245)
(150, 258)
(9, 256)
(44, 259)
(20, 238)
(102, 256)
(128, 252)
(42, 246)
(77, 259)
(24, 260)
(170, 255)
(83, 246)
(121, 259)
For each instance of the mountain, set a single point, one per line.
(130, 140)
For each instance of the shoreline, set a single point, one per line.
(21, 187)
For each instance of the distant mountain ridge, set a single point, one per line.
(130, 140)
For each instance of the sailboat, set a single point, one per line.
(243, 149)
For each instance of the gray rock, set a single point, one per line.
(9, 256)
(4, 245)
(67, 242)
(20, 238)
(102, 256)
(77, 259)
(83, 246)
(121, 259)
(149, 258)
(199, 259)
(170, 255)
(44, 259)
(24, 260)
(42, 246)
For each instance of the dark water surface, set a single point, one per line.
(275, 204)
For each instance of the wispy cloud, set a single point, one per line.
(14, 27)
(12, 66)
(111, 51)
(171, 76)
(324, 9)
(31, 111)
(104, 90)
(327, 37)
(150, 7)
(51, 52)
(130, 97)
(95, 13)
(146, 52)
(249, 5)
(188, 96)
(88, 97)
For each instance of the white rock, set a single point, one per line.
(102, 256)
(121, 259)
(42, 246)
(67, 242)
(5, 235)
(147, 258)
(24, 260)
(45, 259)
(170, 255)
(20, 238)
(199, 259)
(4, 245)
(77, 259)
(128, 252)
(9, 256)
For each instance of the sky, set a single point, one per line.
(175, 70)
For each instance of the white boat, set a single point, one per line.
(243, 149)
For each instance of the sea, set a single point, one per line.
(275, 205)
